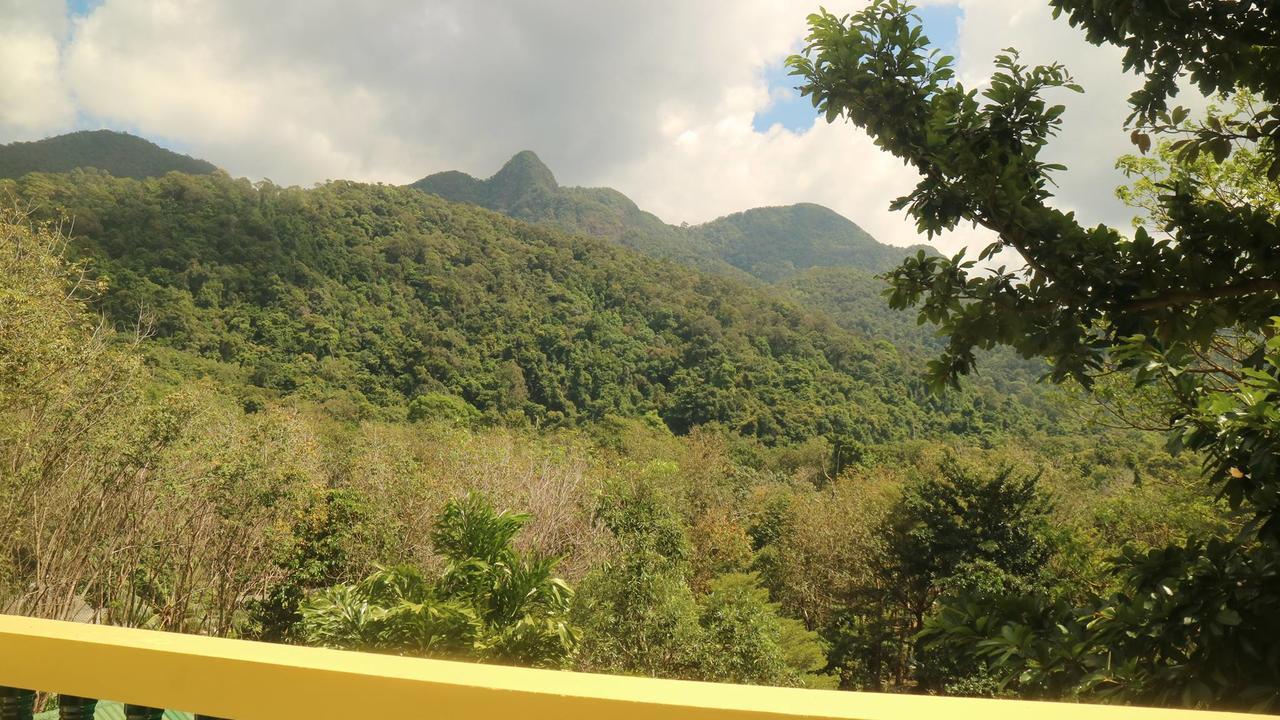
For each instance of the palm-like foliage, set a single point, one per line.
(470, 529)
(491, 602)
(394, 609)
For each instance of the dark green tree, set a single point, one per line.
(317, 558)
(638, 613)
(948, 521)
(749, 641)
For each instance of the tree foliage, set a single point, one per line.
(1082, 290)
(490, 602)
(958, 516)
(1189, 309)
(368, 298)
(638, 613)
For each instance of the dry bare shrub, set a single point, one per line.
(115, 507)
(74, 438)
(719, 545)
(407, 473)
(217, 513)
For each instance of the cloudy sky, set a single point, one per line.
(680, 104)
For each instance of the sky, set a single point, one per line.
(683, 105)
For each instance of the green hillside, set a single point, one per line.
(368, 296)
(526, 189)
(806, 252)
(854, 299)
(767, 243)
(772, 243)
(120, 154)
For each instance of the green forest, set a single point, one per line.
(368, 299)
(512, 422)
(122, 154)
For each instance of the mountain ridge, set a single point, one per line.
(765, 243)
(117, 153)
(525, 189)
(364, 297)
(774, 242)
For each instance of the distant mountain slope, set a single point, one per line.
(773, 243)
(766, 243)
(120, 154)
(855, 300)
(366, 296)
(527, 190)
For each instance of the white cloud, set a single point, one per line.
(33, 100)
(1092, 134)
(301, 91)
(655, 98)
(729, 167)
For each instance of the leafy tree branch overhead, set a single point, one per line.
(1187, 303)
(1082, 290)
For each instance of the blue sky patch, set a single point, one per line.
(82, 7)
(941, 24)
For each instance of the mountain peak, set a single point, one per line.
(525, 170)
(119, 153)
(522, 177)
(775, 242)
(770, 243)
(804, 211)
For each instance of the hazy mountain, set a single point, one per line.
(767, 243)
(527, 190)
(117, 153)
(773, 243)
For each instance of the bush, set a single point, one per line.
(443, 407)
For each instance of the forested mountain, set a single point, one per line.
(767, 243)
(120, 154)
(370, 296)
(807, 252)
(526, 189)
(855, 300)
(772, 243)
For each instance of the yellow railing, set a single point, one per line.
(247, 680)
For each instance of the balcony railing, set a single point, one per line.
(249, 680)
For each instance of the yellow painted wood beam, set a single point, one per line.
(251, 680)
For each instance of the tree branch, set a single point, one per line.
(1186, 297)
